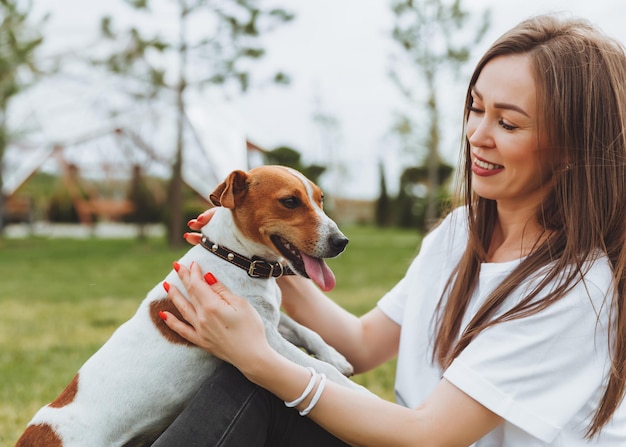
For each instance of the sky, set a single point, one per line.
(337, 55)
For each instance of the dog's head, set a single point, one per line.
(282, 209)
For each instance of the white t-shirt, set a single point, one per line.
(543, 374)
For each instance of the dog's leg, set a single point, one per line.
(292, 352)
(311, 341)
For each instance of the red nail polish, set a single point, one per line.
(210, 279)
(191, 222)
(166, 286)
(176, 266)
(163, 315)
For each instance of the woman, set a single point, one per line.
(509, 326)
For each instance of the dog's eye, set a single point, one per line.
(290, 202)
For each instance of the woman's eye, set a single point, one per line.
(290, 202)
(506, 126)
(473, 109)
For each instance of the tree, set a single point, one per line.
(219, 54)
(286, 156)
(384, 212)
(145, 206)
(412, 200)
(435, 36)
(19, 41)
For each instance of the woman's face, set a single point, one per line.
(509, 163)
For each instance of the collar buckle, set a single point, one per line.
(262, 264)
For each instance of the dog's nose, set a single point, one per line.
(339, 242)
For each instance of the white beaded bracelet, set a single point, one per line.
(306, 391)
(316, 396)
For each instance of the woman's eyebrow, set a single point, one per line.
(502, 105)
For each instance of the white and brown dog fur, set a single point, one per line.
(132, 388)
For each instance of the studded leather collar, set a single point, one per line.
(255, 267)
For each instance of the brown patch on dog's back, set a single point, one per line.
(166, 305)
(68, 394)
(39, 435)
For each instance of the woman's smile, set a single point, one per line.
(484, 168)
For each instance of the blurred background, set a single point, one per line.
(119, 117)
(133, 110)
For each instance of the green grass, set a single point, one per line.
(60, 300)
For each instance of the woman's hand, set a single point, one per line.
(197, 224)
(218, 321)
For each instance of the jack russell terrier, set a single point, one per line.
(269, 223)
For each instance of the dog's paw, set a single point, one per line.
(345, 368)
(338, 361)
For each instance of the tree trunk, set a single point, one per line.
(175, 196)
(3, 144)
(432, 206)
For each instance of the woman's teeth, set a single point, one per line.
(485, 165)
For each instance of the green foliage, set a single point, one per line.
(62, 209)
(62, 298)
(36, 192)
(220, 54)
(146, 208)
(222, 57)
(427, 30)
(39, 187)
(19, 40)
(287, 156)
(412, 205)
(434, 38)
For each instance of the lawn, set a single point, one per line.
(60, 299)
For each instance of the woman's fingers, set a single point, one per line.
(217, 320)
(187, 312)
(202, 219)
(197, 224)
(193, 238)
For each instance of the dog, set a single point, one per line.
(269, 222)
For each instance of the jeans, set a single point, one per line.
(230, 411)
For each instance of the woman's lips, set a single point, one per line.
(484, 168)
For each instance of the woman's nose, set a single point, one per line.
(479, 133)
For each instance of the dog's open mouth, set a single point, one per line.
(314, 268)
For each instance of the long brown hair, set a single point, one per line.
(581, 86)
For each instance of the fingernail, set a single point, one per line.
(191, 222)
(163, 315)
(210, 279)
(176, 266)
(166, 286)
(185, 235)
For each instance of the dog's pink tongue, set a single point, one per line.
(319, 272)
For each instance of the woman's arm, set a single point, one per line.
(448, 417)
(366, 342)
(229, 327)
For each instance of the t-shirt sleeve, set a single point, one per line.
(537, 372)
(436, 247)
(392, 303)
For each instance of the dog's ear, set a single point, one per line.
(227, 192)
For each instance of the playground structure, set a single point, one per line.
(77, 135)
